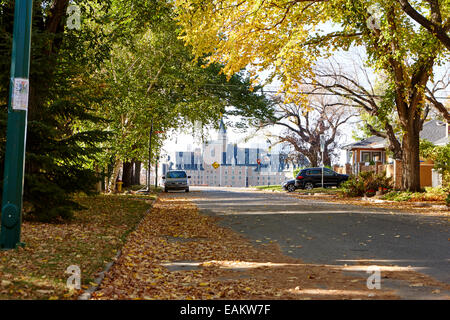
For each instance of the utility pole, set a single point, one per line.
(16, 128)
(322, 147)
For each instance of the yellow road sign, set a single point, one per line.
(215, 165)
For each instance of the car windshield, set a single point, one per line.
(176, 174)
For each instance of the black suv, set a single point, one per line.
(310, 178)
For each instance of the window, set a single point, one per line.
(176, 174)
(365, 157)
(376, 156)
(315, 172)
(328, 172)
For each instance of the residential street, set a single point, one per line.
(325, 233)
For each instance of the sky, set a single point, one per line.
(185, 141)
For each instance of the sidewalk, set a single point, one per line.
(176, 253)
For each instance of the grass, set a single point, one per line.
(90, 241)
(270, 188)
(320, 190)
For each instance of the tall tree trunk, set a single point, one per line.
(133, 177)
(127, 175)
(137, 172)
(313, 156)
(115, 174)
(326, 158)
(98, 185)
(156, 174)
(410, 157)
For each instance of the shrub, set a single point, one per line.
(447, 200)
(398, 196)
(366, 183)
(353, 187)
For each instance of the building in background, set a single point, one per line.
(220, 163)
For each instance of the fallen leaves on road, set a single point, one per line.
(176, 253)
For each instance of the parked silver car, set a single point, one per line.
(176, 180)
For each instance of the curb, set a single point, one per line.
(88, 293)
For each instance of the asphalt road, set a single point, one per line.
(335, 234)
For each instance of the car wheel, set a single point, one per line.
(291, 188)
(165, 190)
(187, 190)
(309, 186)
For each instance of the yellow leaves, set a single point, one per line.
(253, 34)
(38, 271)
(5, 283)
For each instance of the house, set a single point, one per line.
(367, 151)
(371, 152)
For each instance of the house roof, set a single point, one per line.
(435, 131)
(442, 141)
(373, 142)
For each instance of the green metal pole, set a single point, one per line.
(16, 128)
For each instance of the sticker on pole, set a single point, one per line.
(20, 94)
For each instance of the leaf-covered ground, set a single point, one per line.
(177, 253)
(90, 241)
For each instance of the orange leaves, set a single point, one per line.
(177, 253)
(90, 241)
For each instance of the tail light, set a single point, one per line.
(299, 177)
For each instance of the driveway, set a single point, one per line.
(326, 233)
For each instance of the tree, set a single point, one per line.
(288, 37)
(153, 79)
(61, 151)
(438, 23)
(303, 127)
(56, 150)
(435, 88)
(375, 102)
